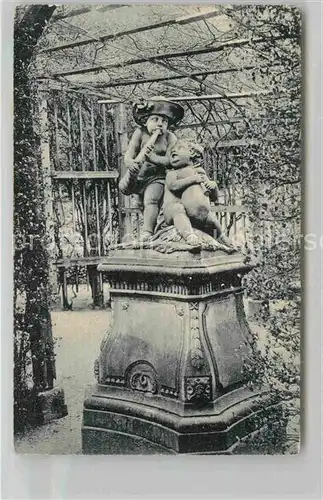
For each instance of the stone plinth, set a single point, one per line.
(170, 375)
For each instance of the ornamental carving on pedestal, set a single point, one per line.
(179, 310)
(197, 389)
(96, 369)
(142, 377)
(196, 347)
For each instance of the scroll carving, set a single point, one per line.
(142, 377)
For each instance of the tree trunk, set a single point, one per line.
(30, 256)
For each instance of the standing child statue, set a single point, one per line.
(187, 195)
(147, 156)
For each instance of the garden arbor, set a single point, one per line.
(236, 71)
(224, 64)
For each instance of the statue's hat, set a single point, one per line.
(157, 106)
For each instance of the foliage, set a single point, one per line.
(33, 350)
(274, 171)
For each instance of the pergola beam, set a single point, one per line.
(207, 97)
(245, 142)
(169, 55)
(75, 174)
(84, 10)
(51, 84)
(227, 121)
(133, 31)
(139, 81)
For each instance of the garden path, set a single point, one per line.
(79, 335)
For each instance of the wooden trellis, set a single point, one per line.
(216, 76)
(80, 165)
(217, 71)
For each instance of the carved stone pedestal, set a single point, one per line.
(170, 370)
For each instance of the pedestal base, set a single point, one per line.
(115, 422)
(171, 370)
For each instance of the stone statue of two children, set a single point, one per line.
(168, 174)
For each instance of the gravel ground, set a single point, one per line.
(80, 334)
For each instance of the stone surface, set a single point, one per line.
(171, 369)
(50, 405)
(167, 240)
(117, 422)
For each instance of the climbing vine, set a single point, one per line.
(34, 364)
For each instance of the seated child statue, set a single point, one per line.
(187, 195)
(147, 156)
